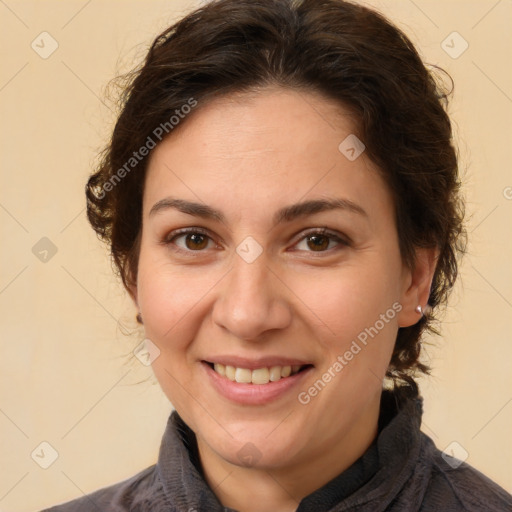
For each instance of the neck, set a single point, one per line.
(282, 488)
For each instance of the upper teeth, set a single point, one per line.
(258, 376)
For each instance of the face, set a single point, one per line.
(266, 251)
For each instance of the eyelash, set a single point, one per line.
(170, 239)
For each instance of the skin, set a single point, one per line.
(247, 157)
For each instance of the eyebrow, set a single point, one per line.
(286, 214)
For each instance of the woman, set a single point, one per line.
(280, 196)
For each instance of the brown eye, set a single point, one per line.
(321, 241)
(196, 241)
(318, 242)
(190, 240)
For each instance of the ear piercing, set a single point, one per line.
(419, 310)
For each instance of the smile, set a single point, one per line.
(263, 382)
(257, 376)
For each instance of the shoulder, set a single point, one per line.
(132, 494)
(455, 485)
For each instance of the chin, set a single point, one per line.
(251, 442)
(256, 453)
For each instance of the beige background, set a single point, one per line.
(66, 376)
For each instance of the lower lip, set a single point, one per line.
(253, 394)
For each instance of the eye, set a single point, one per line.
(190, 240)
(320, 241)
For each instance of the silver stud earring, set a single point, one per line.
(419, 310)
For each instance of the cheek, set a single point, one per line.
(166, 294)
(346, 302)
(170, 301)
(357, 311)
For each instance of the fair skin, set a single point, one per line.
(302, 300)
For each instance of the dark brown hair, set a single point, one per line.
(341, 50)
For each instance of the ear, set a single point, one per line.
(416, 286)
(131, 288)
(132, 292)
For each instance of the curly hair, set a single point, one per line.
(344, 51)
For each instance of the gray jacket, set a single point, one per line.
(401, 471)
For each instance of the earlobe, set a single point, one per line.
(417, 287)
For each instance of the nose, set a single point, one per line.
(252, 301)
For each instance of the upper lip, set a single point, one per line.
(254, 363)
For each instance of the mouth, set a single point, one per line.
(258, 376)
(260, 382)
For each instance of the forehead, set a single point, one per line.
(269, 148)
